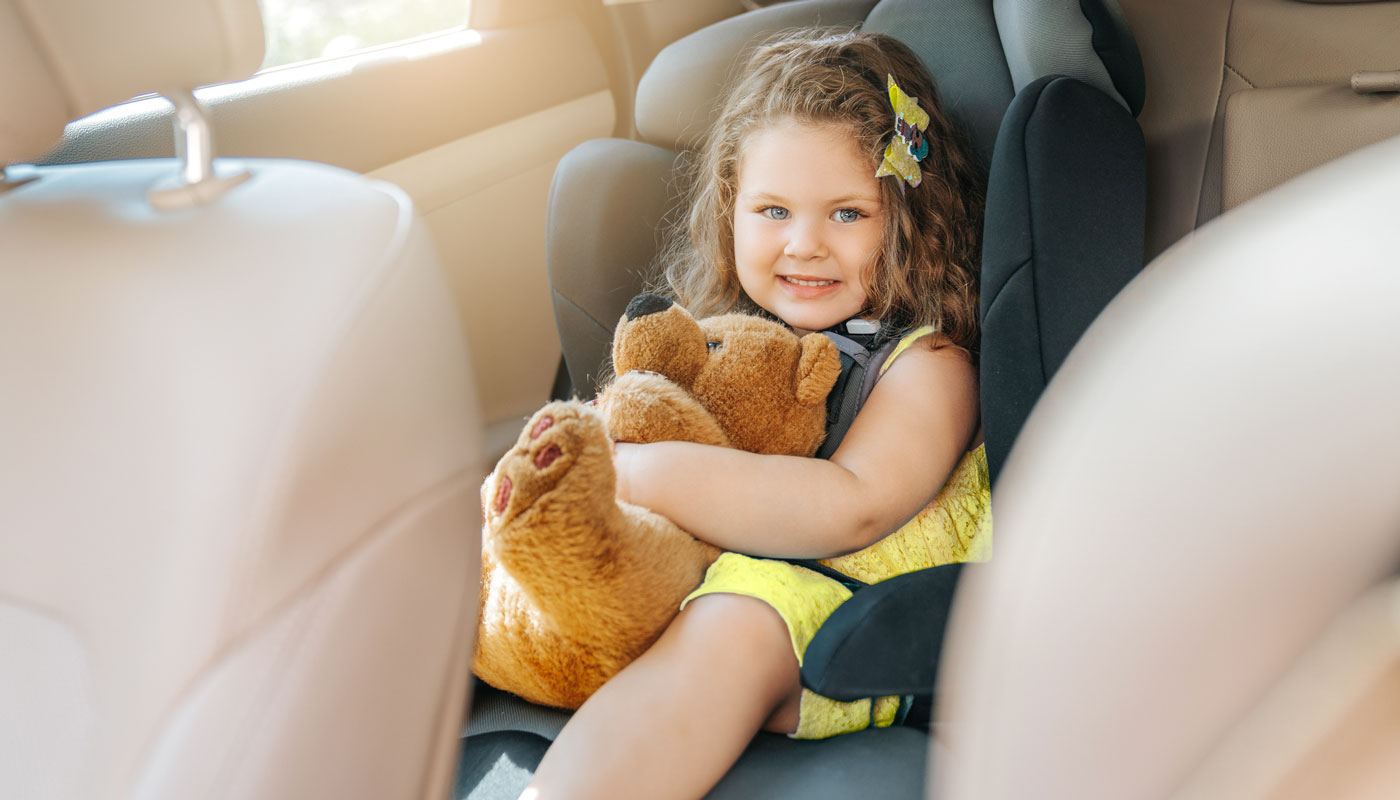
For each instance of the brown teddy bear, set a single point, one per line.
(575, 585)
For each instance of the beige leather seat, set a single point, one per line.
(1194, 592)
(238, 522)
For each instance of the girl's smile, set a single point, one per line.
(808, 287)
(808, 219)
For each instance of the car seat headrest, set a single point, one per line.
(681, 91)
(1085, 39)
(64, 59)
(980, 53)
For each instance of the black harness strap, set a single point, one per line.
(835, 574)
(860, 368)
(862, 355)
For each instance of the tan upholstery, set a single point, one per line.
(63, 59)
(1330, 727)
(1208, 482)
(1299, 111)
(238, 523)
(1272, 135)
(1183, 49)
(1198, 53)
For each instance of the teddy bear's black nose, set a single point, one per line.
(644, 304)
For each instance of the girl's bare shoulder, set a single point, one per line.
(931, 351)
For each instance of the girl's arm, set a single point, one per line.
(899, 451)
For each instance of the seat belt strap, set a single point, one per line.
(860, 368)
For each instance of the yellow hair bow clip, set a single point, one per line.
(908, 146)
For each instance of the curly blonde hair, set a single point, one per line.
(926, 269)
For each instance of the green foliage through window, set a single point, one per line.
(302, 30)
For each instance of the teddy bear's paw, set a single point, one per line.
(562, 440)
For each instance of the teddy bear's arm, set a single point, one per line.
(574, 584)
(645, 407)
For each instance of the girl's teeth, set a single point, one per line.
(801, 282)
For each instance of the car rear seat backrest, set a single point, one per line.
(237, 508)
(1246, 94)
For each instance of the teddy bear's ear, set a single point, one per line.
(817, 369)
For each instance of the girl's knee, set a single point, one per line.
(741, 629)
(734, 617)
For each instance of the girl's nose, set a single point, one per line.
(804, 242)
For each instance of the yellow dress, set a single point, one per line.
(955, 526)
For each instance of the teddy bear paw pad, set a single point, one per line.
(541, 425)
(561, 439)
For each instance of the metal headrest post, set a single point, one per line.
(197, 183)
(9, 181)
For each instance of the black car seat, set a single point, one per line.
(1048, 92)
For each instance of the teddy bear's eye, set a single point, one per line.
(714, 345)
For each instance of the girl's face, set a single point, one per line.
(808, 218)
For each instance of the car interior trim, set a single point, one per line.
(82, 55)
(1271, 135)
(449, 172)
(316, 111)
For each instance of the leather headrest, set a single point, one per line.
(64, 59)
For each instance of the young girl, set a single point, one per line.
(832, 187)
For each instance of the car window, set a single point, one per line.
(305, 30)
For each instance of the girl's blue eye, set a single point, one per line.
(776, 212)
(847, 215)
